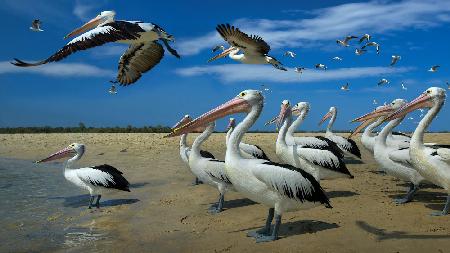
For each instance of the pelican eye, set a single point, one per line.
(242, 94)
(428, 91)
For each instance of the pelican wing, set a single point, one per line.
(103, 176)
(444, 153)
(138, 59)
(324, 158)
(111, 32)
(253, 150)
(252, 44)
(401, 156)
(216, 169)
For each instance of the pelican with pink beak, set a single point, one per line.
(97, 179)
(433, 163)
(144, 52)
(280, 187)
(248, 150)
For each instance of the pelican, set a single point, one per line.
(365, 37)
(434, 68)
(322, 163)
(395, 59)
(143, 54)
(394, 161)
(97, 179)
(345, 87)
(345, 144)
(255, 48)
(290, 54)
(321, 66)
(345, 41)
(372, 44)
(248, 150)
(337, 58)
(383, 81)
(433, 163)
(280, 187)
(36, 26)
(359, 51)
(185, 150)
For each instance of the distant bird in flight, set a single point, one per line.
(254, 47)
(372, 44)
(404, 87)
(290, 53)
(448, 85)
(321, 66)
(345, 41)
(434, 68)
(36, 26)
(143, 54)
(364, 37)
(112, 90)
(221, 47)
(337, 58)
(299, 69)
(383, 81)
(395, 59)
(375, 102)
(359, 51)
(345, 87)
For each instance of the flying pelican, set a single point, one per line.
(346, 144)
(290, 54)
(97, 179)
(383, 81)
(431, 162)
(393, 160)
(248, 150)
(280, 187)
(36, 26)
(337, 58)
(321, 66)
(364, 37)
(359, 51)
(345, 41)
(372, 44)
(345, 87)
(322, 163)
(142, 55)
(255, 48)
(185, 150)
(395, 59)
(434, 68)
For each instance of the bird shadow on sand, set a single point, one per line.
(340, 194)
(383, 234)
(234, 203)
(83, 201)
(432, 200)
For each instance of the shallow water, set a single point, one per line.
(40, 210)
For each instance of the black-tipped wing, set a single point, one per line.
(252, 44)
(103, 176)
(206, 154)
(138, 59)
(111, 32)
(324, 158)
(254, 151)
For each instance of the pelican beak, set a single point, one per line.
(325, 117)
(186, 119)
(270, 122)
(361, 127)
(235, 105)
(223, 54)
(422, 101)
(285, 107)
(66, 152)
(380, 111)
(89, 25)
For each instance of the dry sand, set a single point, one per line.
(171, 216)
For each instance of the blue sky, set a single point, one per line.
(75, 89)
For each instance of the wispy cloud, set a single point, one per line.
(83, 10)
(58, 70)
(240, 73)
(335, 22)
(109, 50)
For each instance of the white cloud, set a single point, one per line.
(335, 22)
(109, 50)
(58, 70)
(82, 10)
(240, 73)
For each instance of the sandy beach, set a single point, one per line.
(170, 215)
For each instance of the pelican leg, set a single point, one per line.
(196, 182)
(445, 210)
(265, 230)
(98, 201)
(274, 235)
(91, 200)
(217, 207)
(409, 196)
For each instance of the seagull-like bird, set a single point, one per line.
(337, 58)
(36, 26)
(221, 47)
(372, 44)
(345, 41)
(375, 102)
(299, 69)
(434, 68)
(383, 81)
(254, 47)
(360, 51)
(345, 87)
(290, 54)
(364, 37)
(404, 87)
(112, 90)
(395, 59)
(321, 66)
(143, 54)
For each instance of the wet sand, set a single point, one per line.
(165, 214)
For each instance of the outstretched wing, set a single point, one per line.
(252, 45)
(111, 32)
(138, 59)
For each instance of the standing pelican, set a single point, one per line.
(281, 187)
(248, 150)
(345, 144)
(142, 55)
(433, 163)
(255, 48)
(97, 179)
(36, 26)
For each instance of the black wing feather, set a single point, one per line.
(119, 182)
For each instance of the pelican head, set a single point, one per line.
(225, 53)
(103, 18)
(74, 149)
(242, 103)
(285, 111)
(329, 114)
(231, 124)
(300, 107)
(429, 98)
